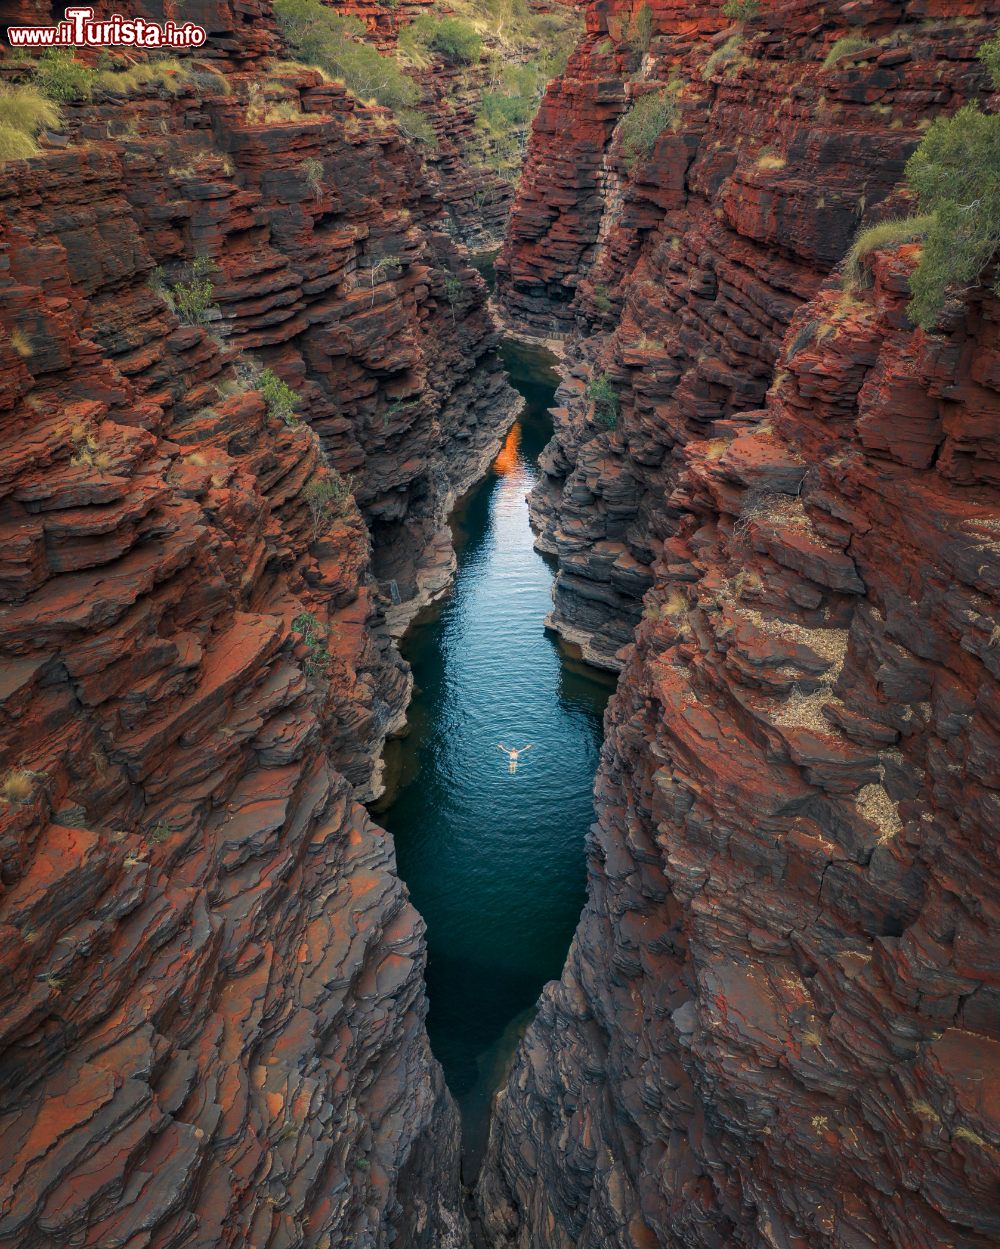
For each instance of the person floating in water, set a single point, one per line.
(513, 755)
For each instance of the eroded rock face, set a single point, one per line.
(213, 1018)
(779, 1022)
(679, 270)
(478, 195)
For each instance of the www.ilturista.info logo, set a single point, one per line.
(79, 28)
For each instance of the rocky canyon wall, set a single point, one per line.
(778, 1024)
(681, 269)
(213, 1015)
(475, 184)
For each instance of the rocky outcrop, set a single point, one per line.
(778, 1022)
(679, 269)
(478, 192)
(213, 1021)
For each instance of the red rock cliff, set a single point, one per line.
(682, 269)
(213, 1018)
(778, 1023)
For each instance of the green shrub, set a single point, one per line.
(279, 397)
(453, 291)
(456, 40)
(505, 114)
(645, 121)
(955, 173)
(62, 77)
(844, 47)
(989, 54)
(885, 234)
(314, 636)
(327, 498)
(193, 297)
(723, 55)
(601, 299)
(337, 44)
(605, 401)
(190, 297)
(414, 124)
(498, 111)
(741, 10)
(641, 32)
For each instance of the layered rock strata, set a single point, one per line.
(677, 270)
(778, 1023)
(213, 1019)
(478, 196)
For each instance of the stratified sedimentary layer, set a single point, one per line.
(478, 193)
(213, 1015)
(679, 270)
(779, 1023)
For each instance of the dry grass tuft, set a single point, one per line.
(876, 806)
(21, 344)
(747, 579)
(780, 510)
(675, 605)
(886, 234)
(18, 785)
(723, 57)
(843, 47)
(88, 452)
(805, 711)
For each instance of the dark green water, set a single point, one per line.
(494, 862)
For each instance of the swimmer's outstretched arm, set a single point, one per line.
(524, 748)
(501, 746)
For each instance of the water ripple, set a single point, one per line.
(495, 862)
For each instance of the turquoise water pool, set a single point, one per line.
(495, 862)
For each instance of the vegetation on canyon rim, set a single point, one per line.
(456, 40)
(525, 51)
(24, 113)
(955, 176)
(337, 45)
(64, 78)
(506, 54)
(646, 120)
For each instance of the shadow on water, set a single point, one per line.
(495, 862)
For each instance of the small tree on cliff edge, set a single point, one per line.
(956, 174)
(741, 10)
(602, 393)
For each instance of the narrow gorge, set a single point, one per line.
(269, 601)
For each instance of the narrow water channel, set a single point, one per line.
(495, 862)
